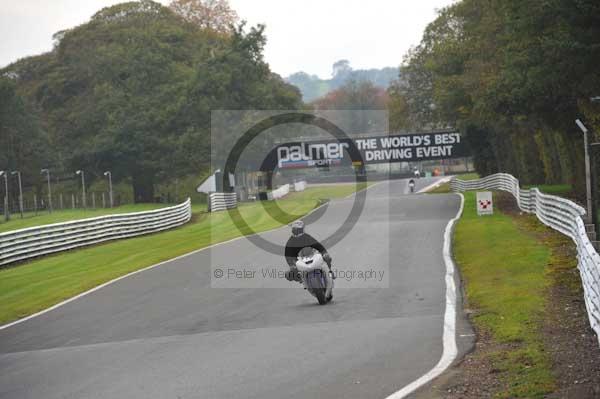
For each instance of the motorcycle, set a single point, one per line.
(314, 274)
(411, 185)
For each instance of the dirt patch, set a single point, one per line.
(506, 203)
(566, 334)
(473, 377)
(572, 344)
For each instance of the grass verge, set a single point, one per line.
(33, 286)
(564, 190)
(504, 269)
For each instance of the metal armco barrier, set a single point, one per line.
(560, 214)
(280, 192)
(222, 201)
(300, 185)
(42, 240)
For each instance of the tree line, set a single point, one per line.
(132, 91)
(512, 75)
(312, 87)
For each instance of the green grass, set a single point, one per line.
(554, 189)
(323, 192)
(445, 187)
(43, 217)
(33, 286)
(468, 176)
(504, 269)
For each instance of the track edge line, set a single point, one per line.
(450, 350)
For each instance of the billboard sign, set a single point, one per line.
(373, 150)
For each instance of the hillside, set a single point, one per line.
(313, 87)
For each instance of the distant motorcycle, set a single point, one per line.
(315, 274)
(411, 185)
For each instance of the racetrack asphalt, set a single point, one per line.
(169, 332)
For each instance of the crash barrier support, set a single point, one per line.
(222, 201)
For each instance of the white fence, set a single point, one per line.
(280, 192)
(222, 201)
(37, 241)
(560, 214)
(300, 185)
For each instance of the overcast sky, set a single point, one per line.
(307, 35)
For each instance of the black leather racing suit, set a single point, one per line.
(295, 245)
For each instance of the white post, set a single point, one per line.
(6, 211)
(47, 172)
(110, 190)
(83, 199)
(588, 183)
(18, 173)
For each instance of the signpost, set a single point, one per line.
(588, 182)
(6, 210)
(485, 205)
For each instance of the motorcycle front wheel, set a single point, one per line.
(320, 294)
(318, 286)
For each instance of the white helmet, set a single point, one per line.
(298, 228)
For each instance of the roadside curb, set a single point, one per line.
(435, 185)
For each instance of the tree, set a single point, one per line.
(311, 86)
(512, 75)
(356, 95)
(215, 15)
(24, 144)
(132, 91)
(235, 78)
(341, 67)
(398, 109)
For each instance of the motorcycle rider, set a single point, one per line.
(411, 184)
(300, 239)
